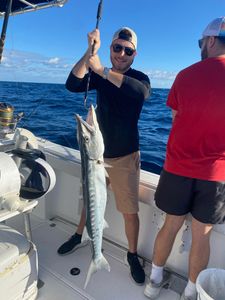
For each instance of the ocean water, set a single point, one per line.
(49, 113)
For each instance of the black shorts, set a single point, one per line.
(179, 195)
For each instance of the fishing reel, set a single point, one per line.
(25, 174)
(8, 121)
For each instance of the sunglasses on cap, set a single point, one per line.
(117, 48)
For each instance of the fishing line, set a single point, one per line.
(99, 16)
(33, 111)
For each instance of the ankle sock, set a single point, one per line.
(190, 290)
(156, 273)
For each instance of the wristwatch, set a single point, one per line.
(105, 73)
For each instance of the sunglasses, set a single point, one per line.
(200, 42)
(117, 48)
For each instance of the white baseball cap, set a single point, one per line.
(215, 28)
(127, 34)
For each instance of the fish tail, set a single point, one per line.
(95, 266)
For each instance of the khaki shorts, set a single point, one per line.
(124, 176)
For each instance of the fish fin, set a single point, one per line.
(85, 236)
(105, 224)
(95, 266)
(107, 165)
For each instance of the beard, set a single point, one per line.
(121, 67)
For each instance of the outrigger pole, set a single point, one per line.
(4, 27)
(99, 15)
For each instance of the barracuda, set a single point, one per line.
(94, 186)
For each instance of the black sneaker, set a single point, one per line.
(71, 245)
(136, 270)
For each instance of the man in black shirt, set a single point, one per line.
(121, 92)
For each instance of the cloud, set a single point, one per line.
(161, 78)
(32, 67)
(54, 61)
(160, 74)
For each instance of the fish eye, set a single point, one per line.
(86, 138)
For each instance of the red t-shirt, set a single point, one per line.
(196, 145)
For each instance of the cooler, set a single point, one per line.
(18, 266)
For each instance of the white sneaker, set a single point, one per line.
(153, 289)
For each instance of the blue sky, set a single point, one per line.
(42, 46)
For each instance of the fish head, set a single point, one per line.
(89, 135)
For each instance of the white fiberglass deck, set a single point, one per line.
(57, 283)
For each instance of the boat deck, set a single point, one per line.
(56, 282)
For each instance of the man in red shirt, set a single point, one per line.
(193, 177)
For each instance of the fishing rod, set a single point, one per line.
(99, 16)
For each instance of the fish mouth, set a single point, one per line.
(90, 120)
